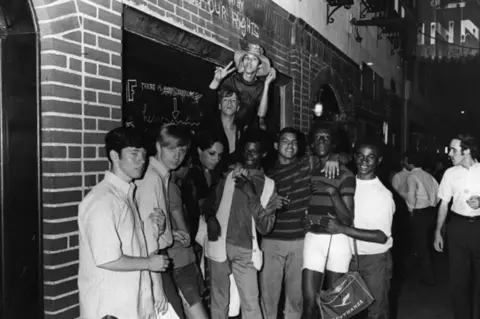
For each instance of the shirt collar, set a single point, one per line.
(118, 183)
(256, 172)
(416, 169)
(159, 167)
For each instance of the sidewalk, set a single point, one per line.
(418, 301)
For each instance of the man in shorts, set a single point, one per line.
(330, 197)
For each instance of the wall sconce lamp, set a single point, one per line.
(358, 37)
(318, 109)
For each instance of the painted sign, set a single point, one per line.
(236, 13)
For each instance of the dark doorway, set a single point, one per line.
(166, 84)
(21, 283)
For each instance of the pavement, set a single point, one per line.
(418, 301)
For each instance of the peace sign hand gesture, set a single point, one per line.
(221, 73)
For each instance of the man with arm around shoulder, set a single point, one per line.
(374, 209)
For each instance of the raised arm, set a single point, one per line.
(263, 107)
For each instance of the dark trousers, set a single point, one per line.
(171, 292)
(464, 265)
(423, 223)
(376, 270)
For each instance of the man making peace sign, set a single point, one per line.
(251, 91)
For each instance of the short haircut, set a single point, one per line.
(321, 125)
(416, 159)
(256, 136)
(178, 132)
(225, 92)
(290, 130)
(206, 138)
(122, 137)
(468, 142)
(373, 142)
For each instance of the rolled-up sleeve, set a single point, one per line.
(101, 232)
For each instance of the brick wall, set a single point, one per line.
(81, 47)
(81, 98)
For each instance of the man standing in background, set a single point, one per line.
(421, 197)
(462, 183)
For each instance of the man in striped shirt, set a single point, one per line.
(283, 247)
(324, 253)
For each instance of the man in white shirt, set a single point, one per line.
(421, 198)
(399, 180)
(171, 146)
(462, 183)
(114, 267)
(372, 226)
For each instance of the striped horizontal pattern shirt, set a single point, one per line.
(320, 202)
(292, 180)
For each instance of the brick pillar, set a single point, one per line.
(80, 44)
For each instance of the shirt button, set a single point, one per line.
(254, 250)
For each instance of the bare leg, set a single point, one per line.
(311, 281)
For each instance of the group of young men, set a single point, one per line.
(125, 224)
(309, 212)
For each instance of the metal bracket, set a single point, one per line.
(331, 11)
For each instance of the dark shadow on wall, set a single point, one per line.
(21, 268)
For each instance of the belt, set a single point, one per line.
(470, 219)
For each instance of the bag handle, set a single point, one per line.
(355, 249)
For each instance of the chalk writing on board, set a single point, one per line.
(171, 91)
(231, 11)
(150, 105)
(131, 85)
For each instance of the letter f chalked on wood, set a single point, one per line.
(175, 112)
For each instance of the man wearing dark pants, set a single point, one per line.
(462, 183)
(372, 228)
(421, 197)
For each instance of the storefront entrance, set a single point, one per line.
(21, 286)
(166, 74)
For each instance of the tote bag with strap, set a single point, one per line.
(349, 295)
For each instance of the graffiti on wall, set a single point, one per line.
(234, 12)
(150, 105)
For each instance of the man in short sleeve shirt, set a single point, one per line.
(114, 270)
(462, 184)
(372, 228)
(330, 197)
(171, 146)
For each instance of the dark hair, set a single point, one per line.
(416, 159)
(122, 137)
(225, 92)
(373, 142)
(321, 125)
(468, 142)
(288, 129)
(178, 132)
(256, 136)
(206, 138)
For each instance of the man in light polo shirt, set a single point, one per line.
(462, 183)
(114, 268)
(372, 228)
(172, 143)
